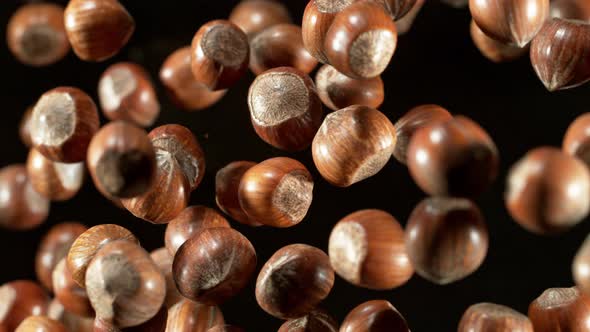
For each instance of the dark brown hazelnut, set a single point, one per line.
(190, 222)
(353, 144)
(253, 16)
(121, 160)
(581, 267)
(374, 316)
(418, 117)
(446, 239)
(180, 169)
(294, 281)
(361, 40)
(124, 285)
(548, 191)
(193, 316)
(219, 54)
(560, 309)
(317, 19)
(404, 24)
(24, 128)
(280, 45)
(455, 157)
(73, 297)
(227, 185)
(492, 49)
(63, 123)
(367, 248)
(40, 324)
(577, 138)
(510, 21)
(490, 317)
(338, 91)
(214, 265)
(277, 192)
(72, 322)
(126, 92)
(21, 207)
(186, 92)
(18, 300)
(54, 180)
(315, 321)
(559, 54)
(88, 243)
(55, 246)
(36, 34)
(285, 109)
(164, 260)
(97, 29)
(571, 9)
(155, 324)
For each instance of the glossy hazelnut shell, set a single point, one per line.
(571, 9)
(180, 169)
(455, 157)
(446, 239)
(23, 208)
(492, 49)
(277, 192)
(214, 265)
(36, 35)
(576, 141)
(189, 223)
(374, 316)
(418, 117)
(55, 246)
(55, 181)
(126, 92)
(97, 29)
(280, 45)
(227, 185)
(510, 21)
(219, 54)
(253, 16)
(559, 54)
(24, 128)
(163, 261)
(72, 322)
(367, 248)
(560, 309)
(285, 108)
(294, 281)
(40, 324)
(353, 144)
(69, 293)
(581, 267)
(122, 160)
(490, 317)
(548, 191)
(124, 284)
(338, 91)
(63, 123)
(87, 245)
(191, 316)
(315, 321)
(184, 90)
(225, 328)
(361, 40)
(21, 299)
(317, 19)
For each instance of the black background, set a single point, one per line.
(435, 62)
